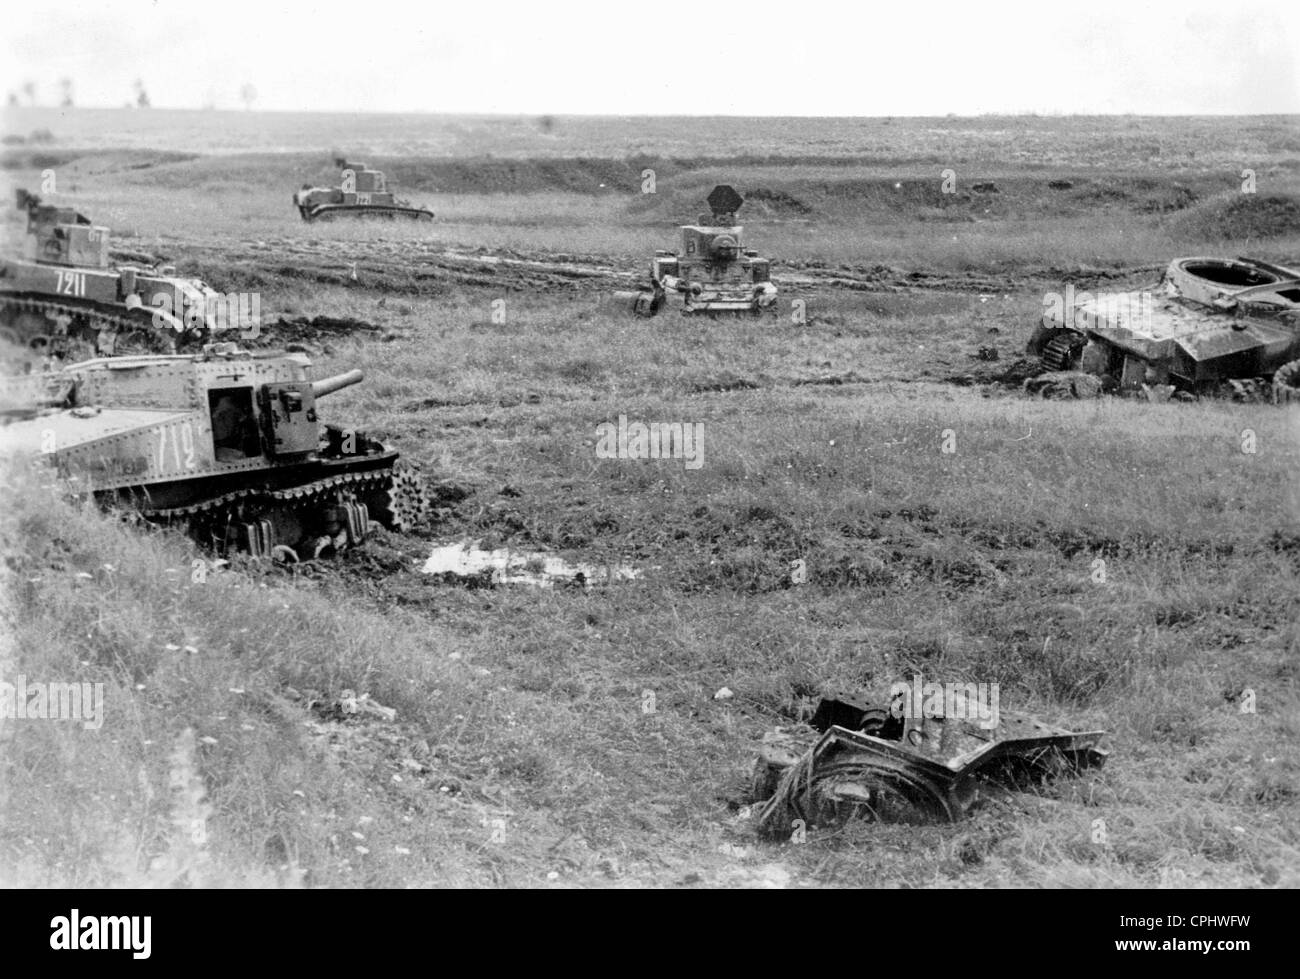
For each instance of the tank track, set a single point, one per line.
(92, 329)
(307, 492)
(245, 519)
(367, 210)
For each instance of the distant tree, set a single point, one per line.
(13, 99)
(141, 96)
(248, 95)
(29, 89)
(65, 88)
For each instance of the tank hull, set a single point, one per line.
(1208, 321)
(229, 447)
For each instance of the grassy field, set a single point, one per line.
(1109, 563)
(836, 191)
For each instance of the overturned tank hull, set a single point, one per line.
(858, 760)
(1208, 321)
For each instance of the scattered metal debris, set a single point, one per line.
(873, 762)
(346, 704)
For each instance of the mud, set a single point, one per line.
(428, 268)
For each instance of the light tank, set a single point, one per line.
(713, 272)
(224, 443)
(363, 193)
(65, 299)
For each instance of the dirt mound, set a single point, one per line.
(1141, 195)
(1238, 215)
(300, 329)
(1064, 384)
(576, 175)
(777, 201)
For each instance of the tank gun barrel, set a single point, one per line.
(329, 385)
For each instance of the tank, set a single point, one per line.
(363, 193)
(713, 272)
(223, 443)
(65, 300)
(1208, 321)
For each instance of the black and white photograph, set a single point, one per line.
(707, 447)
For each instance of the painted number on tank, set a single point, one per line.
(363, 198)
(71, 284)
(349, 181)
(180, 455)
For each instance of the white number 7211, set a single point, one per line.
(71, 284)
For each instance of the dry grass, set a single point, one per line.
(977, 565)
(521, 748)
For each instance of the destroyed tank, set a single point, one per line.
(1208, 321)
(363, 193)
(713, 273)
(223, 443)
(64, 299)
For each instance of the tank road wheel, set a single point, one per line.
(73, 348)
(403, 504)
(135, 340)
(1286, 383)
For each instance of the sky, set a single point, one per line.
(622, 57)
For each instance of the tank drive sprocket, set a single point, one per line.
(1059, 352)
(403, 504)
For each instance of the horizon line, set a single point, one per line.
(1018, 114)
